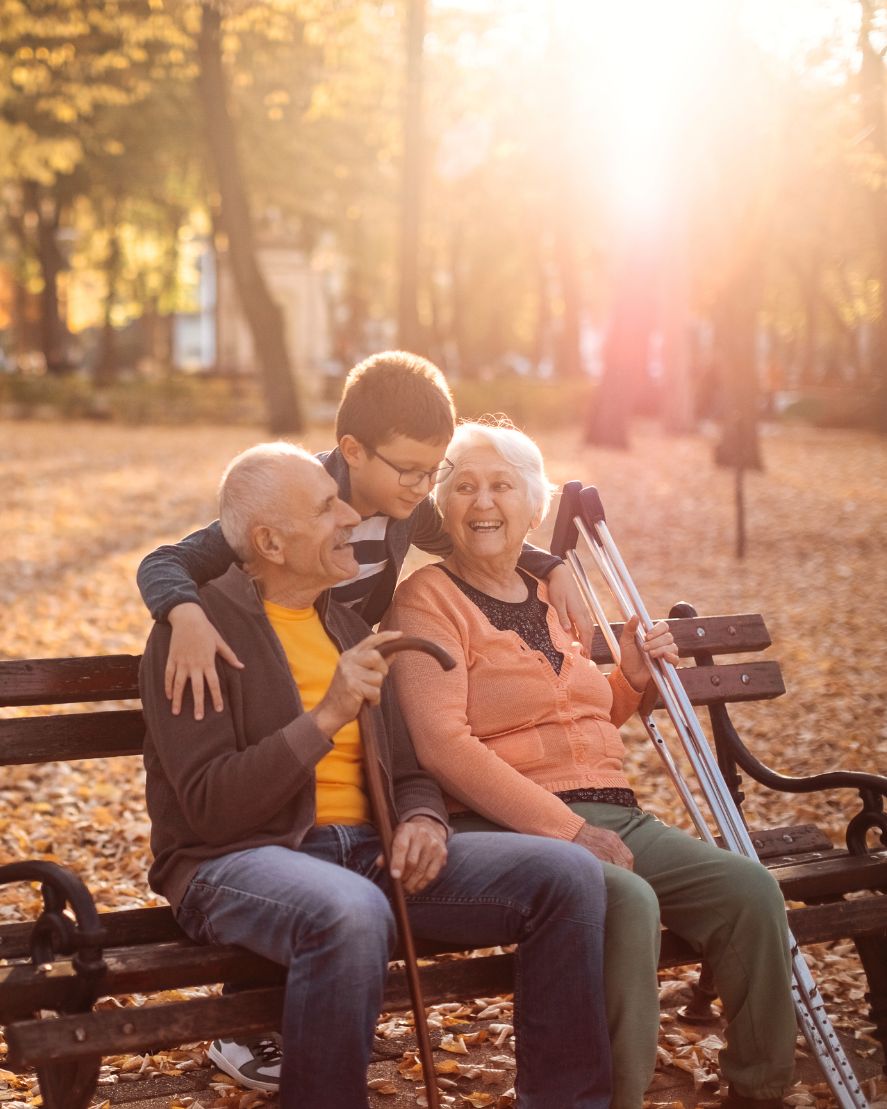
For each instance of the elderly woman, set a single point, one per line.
(524, 735)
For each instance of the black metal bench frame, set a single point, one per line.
(72, 955)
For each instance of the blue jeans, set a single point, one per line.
(323, 913)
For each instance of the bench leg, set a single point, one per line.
(69, 1085)
(873, 956)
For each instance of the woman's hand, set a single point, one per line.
(192, 658)
(604, 845)
(418, 852)
(572, 612)
(658, 643)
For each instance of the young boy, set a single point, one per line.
(393, 425)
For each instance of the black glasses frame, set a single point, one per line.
(409, 479)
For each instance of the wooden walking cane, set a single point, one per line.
(379, 801)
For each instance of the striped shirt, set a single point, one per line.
(368, 542)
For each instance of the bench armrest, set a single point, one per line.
(733, 753)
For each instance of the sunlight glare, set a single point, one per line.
(643, 68)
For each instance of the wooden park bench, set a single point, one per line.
(63, 965)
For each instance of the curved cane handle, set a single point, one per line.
(414, 643)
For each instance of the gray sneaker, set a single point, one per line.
(252, 1062)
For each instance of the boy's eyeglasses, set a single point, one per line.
(411, 478)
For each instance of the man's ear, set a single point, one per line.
(353, 451)
(267, 544)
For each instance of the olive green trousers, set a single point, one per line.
(730, 910)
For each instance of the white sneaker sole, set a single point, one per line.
(239, 1077)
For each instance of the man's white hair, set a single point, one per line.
(250, 492)
(514, 447)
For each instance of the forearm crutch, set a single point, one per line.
(382, 813)
(581, 513)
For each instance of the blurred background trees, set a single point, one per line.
(675, 210)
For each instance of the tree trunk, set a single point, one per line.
(739, 445)
(677, 401)
(625, 355)
(559, 98)
(460, 303)
(106, 365)
(541, 351)
(263, 315)
(569, 349)
(157, 336)
(872, 87)
(21, 325)
(46, 213)
(409, 330)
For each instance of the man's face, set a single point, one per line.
(315, 547)
(394, 477)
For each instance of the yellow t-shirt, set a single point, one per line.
(313, 657)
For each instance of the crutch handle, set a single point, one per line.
(414, 643)
(592, 506)
(564, 537)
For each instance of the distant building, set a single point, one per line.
(217, 336)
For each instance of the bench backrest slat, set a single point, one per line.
(732, 682)
(90, 735)
(719, 635)
(68, 681)
(93, 735)
(79, 735)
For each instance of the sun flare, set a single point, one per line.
(647, 76)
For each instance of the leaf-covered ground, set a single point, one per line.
(81, 504)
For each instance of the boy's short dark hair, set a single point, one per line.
(396, 393)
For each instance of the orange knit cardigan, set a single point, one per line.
(503, 732)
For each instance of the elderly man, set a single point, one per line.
(262, 833)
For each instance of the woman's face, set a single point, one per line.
(487, 514)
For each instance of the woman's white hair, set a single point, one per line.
(250, 492)
(514, 447)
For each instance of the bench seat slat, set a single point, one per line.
(131, 1030)
(828, 872)
(150, 968)
(123, 928)
(834, 871)
(113, 1031)
(832, 876)
(143, 969)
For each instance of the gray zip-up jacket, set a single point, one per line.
(170, 575)
(244, 777)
